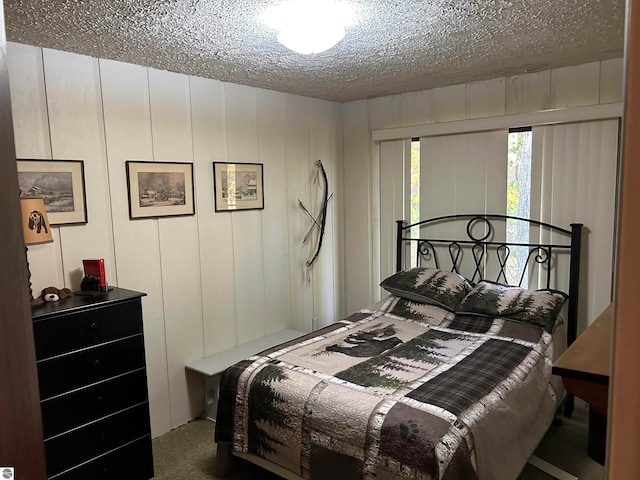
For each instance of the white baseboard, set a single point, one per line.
(552, 470)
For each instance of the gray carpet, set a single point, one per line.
(188, 453)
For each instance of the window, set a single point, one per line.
(547, 172)
(415, 192)
(518, 200)
(518, 188)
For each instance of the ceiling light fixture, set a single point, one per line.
(310, 26)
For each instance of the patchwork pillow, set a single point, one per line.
(538, 307)
(428, 285)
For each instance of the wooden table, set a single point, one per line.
(585, 367)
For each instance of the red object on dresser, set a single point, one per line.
(95, 267)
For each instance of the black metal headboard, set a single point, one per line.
(480, 240)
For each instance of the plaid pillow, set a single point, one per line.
(538, 307)
(428, 285)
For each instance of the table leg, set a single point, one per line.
(597, 442)
(569, 403)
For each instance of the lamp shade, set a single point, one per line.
(310, 26)
(35, 224)
(306, 40)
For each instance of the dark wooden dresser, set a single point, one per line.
(93, 387)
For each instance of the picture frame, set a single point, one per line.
(60, 183)
(160, 189)
(238, 186)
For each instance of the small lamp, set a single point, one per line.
(35, 228)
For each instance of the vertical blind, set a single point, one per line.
(573, 180)
(395, 179)
(463, 173)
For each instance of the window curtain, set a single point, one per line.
(395, 198)
(464, 173)
(573, 180)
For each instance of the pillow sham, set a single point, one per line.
(428, 285)
(539, 307)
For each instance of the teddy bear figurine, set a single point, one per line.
(53, 294)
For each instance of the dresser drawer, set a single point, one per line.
(83, 444)
(77, 408)
(67, 372)
(60, 334)
(132, 461)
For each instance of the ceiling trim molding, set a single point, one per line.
(543, 117)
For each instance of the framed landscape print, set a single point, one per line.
(60, 183)
(160, 189)
(238, 186)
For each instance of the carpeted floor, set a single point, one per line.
(188, 453)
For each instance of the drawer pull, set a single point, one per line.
(97, 362)
(99, 399)
(94, 325)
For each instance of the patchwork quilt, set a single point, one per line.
(400, 390)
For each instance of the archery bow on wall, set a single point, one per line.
(318, 221)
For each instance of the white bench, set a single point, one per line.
(212, 366)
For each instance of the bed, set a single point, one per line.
(447, 377)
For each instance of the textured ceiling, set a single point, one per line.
(396, 46)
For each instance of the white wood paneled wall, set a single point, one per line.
(588, 84)
(212, 280)
(126, 100)
(357, 269)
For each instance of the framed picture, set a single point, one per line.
(60, 183)
(238, 186)
(160, 189)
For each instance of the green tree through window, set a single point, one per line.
(518, 200)
(415, 192)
